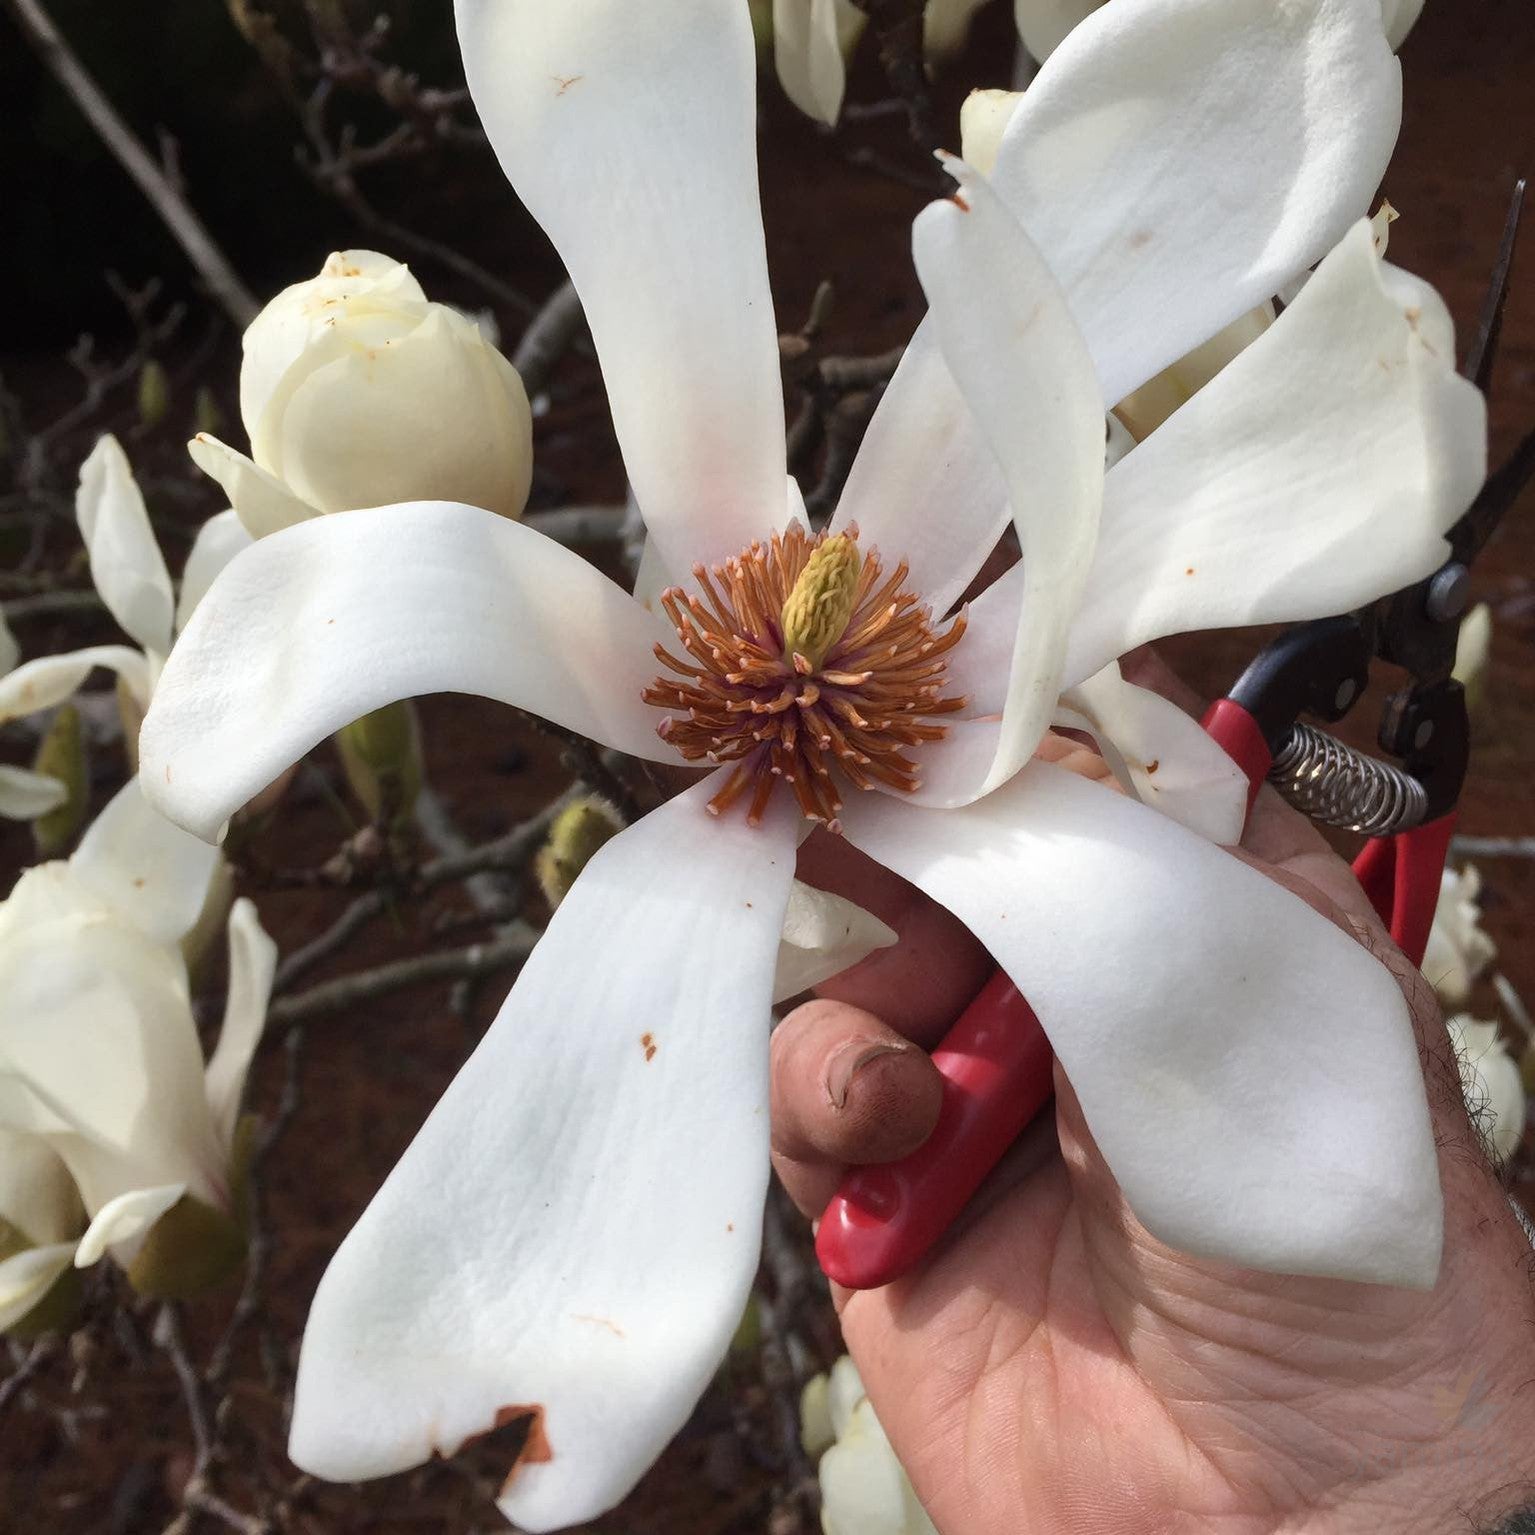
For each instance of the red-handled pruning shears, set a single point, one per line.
(996, 1062)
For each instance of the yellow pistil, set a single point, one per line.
(816, 612)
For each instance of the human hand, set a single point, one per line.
(1052, 1367)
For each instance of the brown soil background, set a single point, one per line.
(111, 1456)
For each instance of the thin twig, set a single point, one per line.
(508, 949)
(548, 338)
(46, 604)
(36, 1357)
(1492, 847)
(580, 524)
(175, 212)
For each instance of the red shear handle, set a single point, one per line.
(995, 1062)
(1401, 876)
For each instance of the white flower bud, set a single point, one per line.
(982, 120)
(356, 391)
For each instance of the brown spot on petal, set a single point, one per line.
(1189, 571)
(535, 1450)
(564, 82)
(960, 203)
(1140, 239)
(599, 1321)
(1154, 764)
(648, 1045)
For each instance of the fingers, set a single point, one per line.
(846, 1089)
(922, 984)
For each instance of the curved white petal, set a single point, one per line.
(49, 680)
(126, 564)
(218, 541)
(125, 1219)
(25, 795)
(811, 42)
(1043, 24)
(1176, 161)
(1162, 755)
(925, 488)
(1012, 346)
(823, 935)
(316, 626)
(260, 500)
(1398, 17)
(1318, 470)
(10, 651)
(575, 1230)
(1248, 1071)
(629, 131)
(146, 868)
(27, 1276)
(252, 964)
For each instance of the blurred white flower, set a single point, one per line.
(864, 1488)
(130, 576)
(356, 391)
(1490, 1080)
(1458, 951)
(99, 1052)
(1473, 649)
(813, 40)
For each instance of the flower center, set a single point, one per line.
(803, 664)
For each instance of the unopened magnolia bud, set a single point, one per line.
(61, 755)
(206, 415)
(578, 831)
(192, 1248)
(154, 393)
(982, 120)
(381, 757)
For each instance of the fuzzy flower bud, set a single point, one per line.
(578, 831)
(61, 756)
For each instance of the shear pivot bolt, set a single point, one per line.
(1448, 593)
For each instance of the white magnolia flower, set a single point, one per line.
(1459, 949)
(1490, 1079)
(99, 1054)
(813, 40)
(1044, 24)
(356, 391)
(574, 1232)
(864, 1487)
(130, 577)
(1473, 651)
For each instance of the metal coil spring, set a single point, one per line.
(1338, 786)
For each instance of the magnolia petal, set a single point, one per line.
(946, 26)
(126, 564)
(37, 1196)
(649, 110)
(1162, 755)
(27, 1276)
(1317, 470)
(252, 965)
(1011, 344)
(49, 680)
(218, 541)
(26, 795)
(125, 1219)
(1176, 161)
(10, 651)
(319, 625)
(260, 500)
(1248, 1071)
(150, 871)
(553, 1242)
(811, 42)
(1043, 24)
(823, 935)
(1398, 17)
